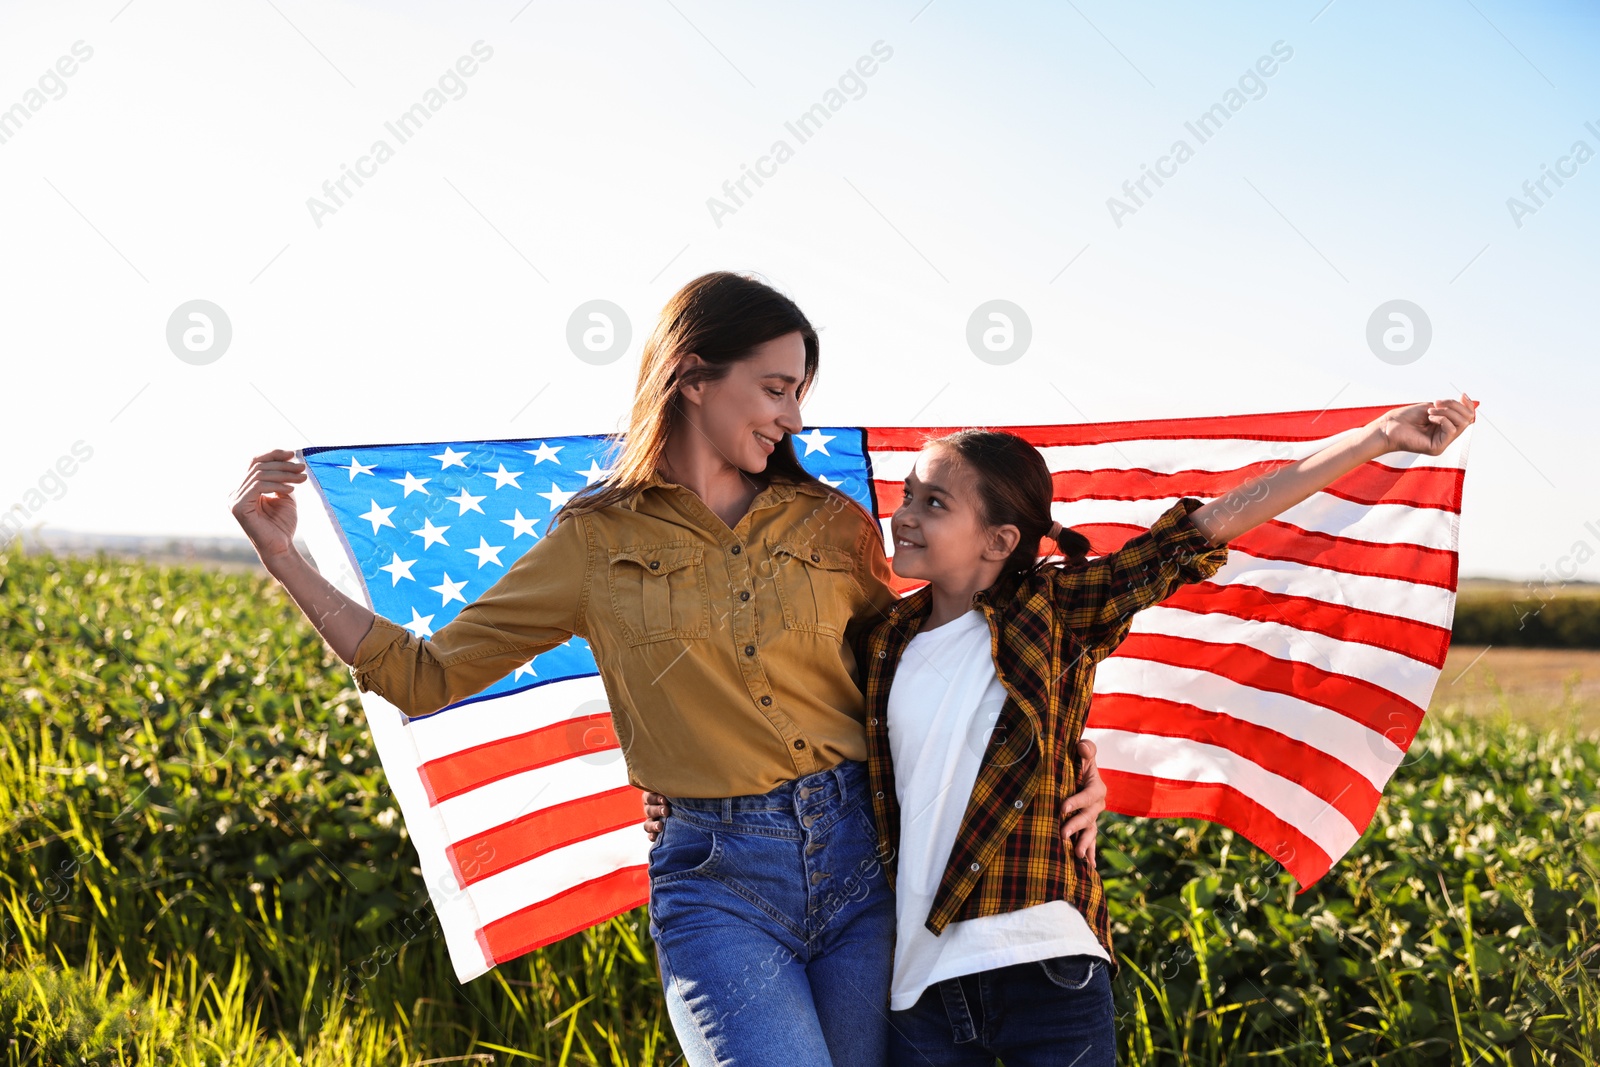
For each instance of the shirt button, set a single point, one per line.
(1016, 804)
(749, 650)
(879, 794)
(798, 743)
(766, 702)
(815, 558)
(736, 550)
(975, 866)
(882, 654)
(655, 564)
(744, 594)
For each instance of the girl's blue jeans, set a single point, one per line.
(774, 925)
(1047, 1013)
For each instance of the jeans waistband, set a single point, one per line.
(842, 784)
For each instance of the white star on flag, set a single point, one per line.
(487, 553)
(503, 477)
(520, 525)
(465, 501)
(357, 467)
(816, 441)
(526, 668)
(449, 590)
(831, 483)
(412, 484)
(557, 496)
(594, 473)
(377, 516)
(544, 452)
(450, 458)
(398, 568)
(421, 625)
(431, 534)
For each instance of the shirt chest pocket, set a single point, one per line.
(659, 591)
(816, 586)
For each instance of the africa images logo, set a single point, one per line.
(1204, 127)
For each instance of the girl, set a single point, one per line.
(977, 683)
(718, 585)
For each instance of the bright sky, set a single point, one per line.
(974, 163)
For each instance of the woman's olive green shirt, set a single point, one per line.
(725, 653)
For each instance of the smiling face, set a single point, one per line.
(744, 415)
(939, 530)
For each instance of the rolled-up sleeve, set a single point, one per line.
(1099, 599)
(539, 603)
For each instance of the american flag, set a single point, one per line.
(1276, 698)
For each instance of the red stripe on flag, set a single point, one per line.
(1106, 537)
(888, 495)
(1273, 426)
(501, 847)
(466, 770)
(1166, 798)
(1279, 540)
(905, 585)
(1419, 640)
(1371, 483)
(568, 912)
(1418, 564)
(1417, 487)
(1307, 766)
(1356, 699)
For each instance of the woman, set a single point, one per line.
(719, 586)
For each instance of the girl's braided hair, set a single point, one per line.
(1015, 487)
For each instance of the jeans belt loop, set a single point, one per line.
(727, 809)
(958, 1011)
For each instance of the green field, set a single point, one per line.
(202, 866)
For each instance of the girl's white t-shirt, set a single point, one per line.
(942, 708)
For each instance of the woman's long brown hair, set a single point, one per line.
(721, 317)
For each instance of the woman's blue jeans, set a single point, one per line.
(774, 925)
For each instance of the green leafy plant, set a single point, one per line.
(204, 865)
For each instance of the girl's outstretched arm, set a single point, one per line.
(1427, 429)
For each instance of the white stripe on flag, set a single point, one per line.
(1168, 456)
(1389, 596)
(1401, 675)
(496, 803)
(1192, 761)
(484, 721)
(544, 876)
(1365, 752)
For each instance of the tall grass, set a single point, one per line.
(203, 866)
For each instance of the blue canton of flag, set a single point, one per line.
(430, 527)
